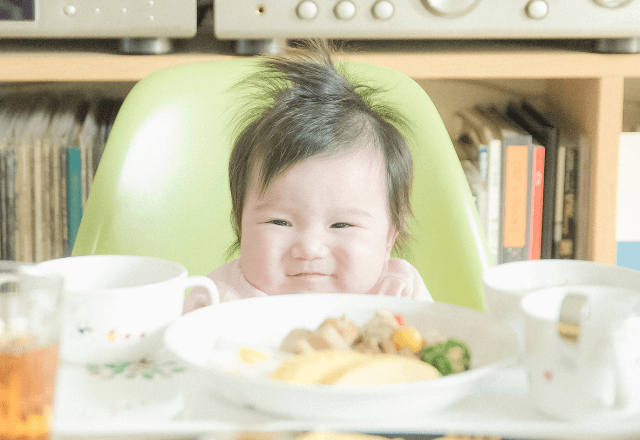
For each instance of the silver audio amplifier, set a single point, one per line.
(97, 18)
(427, 19)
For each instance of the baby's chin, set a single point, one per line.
(312, 285)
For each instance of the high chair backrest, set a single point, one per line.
(161, 188)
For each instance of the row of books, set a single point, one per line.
(50, 146)
(530, 181)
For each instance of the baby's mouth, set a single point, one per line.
(310, 275)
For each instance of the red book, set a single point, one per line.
(537, 187)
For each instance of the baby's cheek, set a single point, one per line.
(360, 271)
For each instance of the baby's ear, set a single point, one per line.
(391, 238)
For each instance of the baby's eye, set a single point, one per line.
(341, 225)
(278, 222)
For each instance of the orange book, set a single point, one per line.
(516, 197)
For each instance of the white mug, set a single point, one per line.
(506, 284)
(582, 351)
(117, 306)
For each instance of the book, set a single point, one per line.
(583, 204)
(37, 200)
(3, 204)
(74, 193)
(557, 223)
(64, 223)
(516, 197)
(628, 209)
(57, 249)
(24, 236)
(3, 183)
(546, 134)
(537, 197)
(10, 203)
(566, 246)
(47, 218)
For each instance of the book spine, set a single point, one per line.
(3, 205)
(483, 161)
(23, 202)
(559, 200)
(537, 198)
(47, 220)
(549, 198)
(483, 169)
(10, 202)
(516, 201)
(64, 206)
(74, 193)
(566, 249)
(56, 202)
(494, 177)
(89, 161)
(38, 254)
(583, 203)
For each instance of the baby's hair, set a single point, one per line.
(305, 107)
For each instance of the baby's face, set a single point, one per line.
(323, 226)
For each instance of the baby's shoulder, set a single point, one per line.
(401, 268)
(415, 287)
(227, 269)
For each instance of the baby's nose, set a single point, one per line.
(310, 246)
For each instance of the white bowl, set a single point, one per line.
(264, 322)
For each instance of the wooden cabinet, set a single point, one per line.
(586, 88)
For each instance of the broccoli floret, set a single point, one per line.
(447, 357)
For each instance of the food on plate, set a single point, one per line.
(329, 435)
(251, 356)
(383, 350)
(448, 357)
(329, 367)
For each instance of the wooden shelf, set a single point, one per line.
(99, 60)
(587, 88)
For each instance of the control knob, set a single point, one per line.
(536, 9)
(449, 8)
(345, 10)
(611, 3)
(382, 10)
(307, 10)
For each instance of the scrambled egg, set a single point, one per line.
(328, 367)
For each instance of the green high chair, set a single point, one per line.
(162, 190)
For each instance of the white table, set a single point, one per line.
(149, 400)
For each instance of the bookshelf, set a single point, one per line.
(586, 88)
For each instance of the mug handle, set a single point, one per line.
(207, 283)
(9, 278)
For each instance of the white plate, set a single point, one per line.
(264, 322)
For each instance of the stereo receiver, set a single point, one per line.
(139, 20)
(606, 20)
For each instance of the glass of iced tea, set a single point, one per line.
(29, 317)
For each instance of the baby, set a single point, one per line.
(320, 185)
